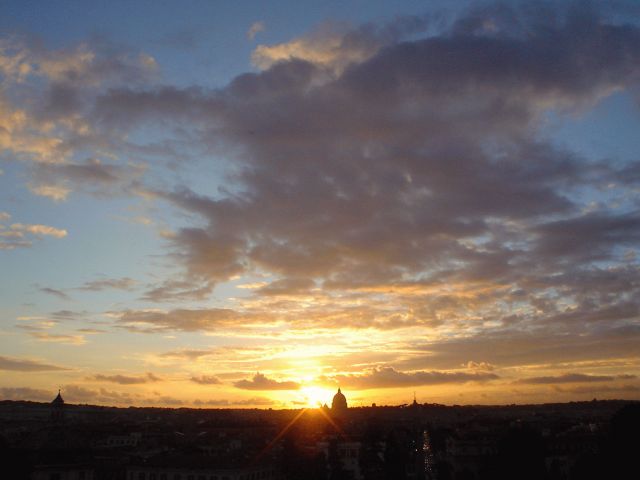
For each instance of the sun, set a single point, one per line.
(316, 396)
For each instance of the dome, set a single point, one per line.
(339, 403)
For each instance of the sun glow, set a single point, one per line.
(315, 396)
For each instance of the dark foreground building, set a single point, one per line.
(582, 440)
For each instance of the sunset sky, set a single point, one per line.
(251, 203)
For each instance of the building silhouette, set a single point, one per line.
(339, 405)
(57, 408)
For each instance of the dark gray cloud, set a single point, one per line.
(388, 377)
(608, 391)
(124, 283)
(262, 401)
(26, 393)
(513, 348)
(127, 379)
(206, 380)
(57, 180)
(403, 180)
(261, 382)
(287, 286)
(55, 292)
(187, 354)
(91, 331)
(68, 315)
(178, 290)
(25, 365)
(567, 378)
(420, 161)
(78, 394)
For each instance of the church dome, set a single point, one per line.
(339, 403)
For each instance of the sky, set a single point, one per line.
(250, 204)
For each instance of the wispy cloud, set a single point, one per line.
(254, 29)
(253, 401)
(570, 378)
(124, 283)
(55, 292)
(127, 379)
(27, 365)
(261, 382)
(18, 235)
(206, 380)
(388, 377)
(25, 393)
(187, 354)
(59, 338)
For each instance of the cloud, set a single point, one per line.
(91, 331)
(254, 29)
(177, 290)
(54, 192)
(124, 283)
(86, 64)
(55, 292)
(610, 391)
(53, 129)
(127, 379)
(516, 348)
(206, 380)
(79, 394)
(479, 366)
(253, 401)
(26, 365)
(187, 354)
(388, 377)
(261, 382)
(567, 378)
(68, 315)
(374, 198)
(25, 393)
(40, 230)
(19, 235)
(287, 286)
(180, 319)
(337, 45)
(58, 338)
(398, 178)
(92, 176)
